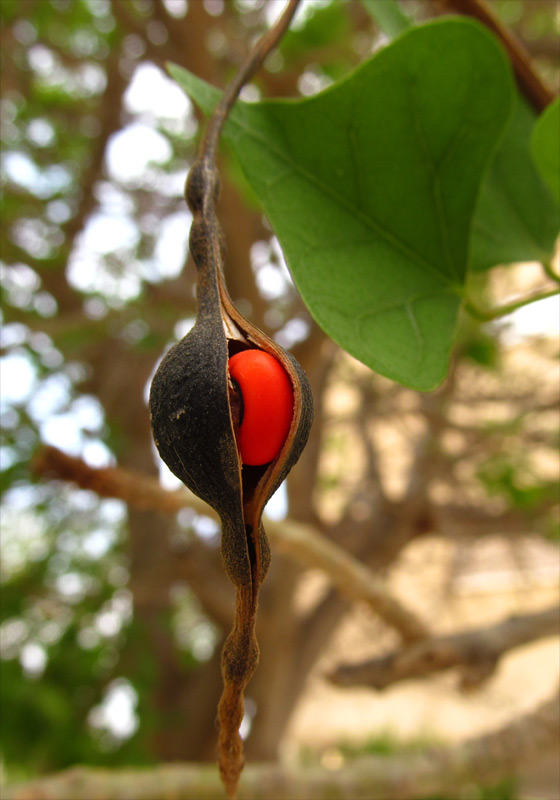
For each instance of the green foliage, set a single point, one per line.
(481, 349)
(53, 598)
(503, 790)
(514, 481)
(389, 15)
(388, 743)
(384, 743)
(545, 149)
(328, 25)
(374, 218)
(516, 218)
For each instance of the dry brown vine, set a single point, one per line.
(194, 414)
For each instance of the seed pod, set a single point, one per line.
(194, 412)
(191, 414)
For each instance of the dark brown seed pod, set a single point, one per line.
(193, 413)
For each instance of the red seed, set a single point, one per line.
(268, 405)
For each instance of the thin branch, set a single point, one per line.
(350, 577)
(441, 771)
(478, 650)
(296, 540)
(488, 314)
(529, 81)
(256, 57)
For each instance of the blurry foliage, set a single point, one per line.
(516, 483)
(483, 350)
(66, 615)
(503, 790)
(388, 743)
(382, 743)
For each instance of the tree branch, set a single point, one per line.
(294, 539)
(350, 577)
(477, 650)
(439, 771)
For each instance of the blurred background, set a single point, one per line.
(113, 615)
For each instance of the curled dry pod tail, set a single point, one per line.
(194, 415)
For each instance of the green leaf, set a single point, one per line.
(389, 16)
(326, 31)
(516, 218)
(326, 26)
(371, 187)
(545, 146)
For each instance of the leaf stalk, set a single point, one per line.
(550, 271)
(489, 314)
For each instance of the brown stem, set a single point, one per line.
(239, 660)
(254, 60)
(530, 83)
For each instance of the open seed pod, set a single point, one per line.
(193, 417)
(195, 411)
